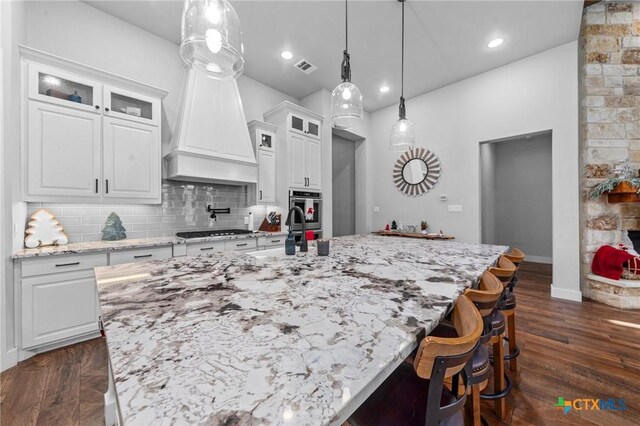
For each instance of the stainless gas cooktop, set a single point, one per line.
(212, 233)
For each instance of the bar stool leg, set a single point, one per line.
(498, 375)
(475, 405)
(511, 330)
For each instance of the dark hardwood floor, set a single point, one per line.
(570, 350)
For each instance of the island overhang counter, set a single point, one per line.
(279, 340)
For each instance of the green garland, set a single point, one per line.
(610, 185)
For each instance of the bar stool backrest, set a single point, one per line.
(487, 294)
(504, 270)
(468, 324)
(516, 256)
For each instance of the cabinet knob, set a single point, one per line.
(106, 109)
(97, 106)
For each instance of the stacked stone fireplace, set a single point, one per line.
(609, 136)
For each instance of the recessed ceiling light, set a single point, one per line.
(286, 54)
(495, 43)
(384, 89)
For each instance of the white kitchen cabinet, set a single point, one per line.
(131, 158)
(197, 249)
(266, 177)
(90, 136)
(139, 255)
(299, 154)
(62, 152)
(298, 163)
(58, 299)
(304, 162)
(263, 138)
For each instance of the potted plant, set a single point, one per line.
(423, 227)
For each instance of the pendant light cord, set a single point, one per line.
(346, 26)
(402, 61)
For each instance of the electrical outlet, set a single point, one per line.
(454, 208)
(376, 209)
(246, 220)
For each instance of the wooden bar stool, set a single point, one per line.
(505, 271)
(516, 256)
(415, 394)
(485, 298)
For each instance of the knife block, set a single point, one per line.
(267, 227)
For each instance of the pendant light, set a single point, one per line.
(402, 134)
(346, 98)
(212, 38)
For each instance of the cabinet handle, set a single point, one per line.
(96, 186)
(107, 185)
(67, 264)
(206, 248)
(242, 245)
(261, 194)
(142, 255)
(106, 109)
(97, 106)
(275, 241)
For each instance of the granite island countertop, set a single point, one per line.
(280, 340)
(127, 244)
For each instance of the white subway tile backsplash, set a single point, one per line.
(184, 207)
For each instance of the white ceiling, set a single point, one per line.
(446, 41)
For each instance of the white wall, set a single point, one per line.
(534, 94)
(257, 98)
(522, 193)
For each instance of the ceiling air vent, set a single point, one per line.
(306, 67)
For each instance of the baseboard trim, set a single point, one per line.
(539, 259)
(9, 359)
(566, 294)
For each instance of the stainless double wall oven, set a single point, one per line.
(299, 199)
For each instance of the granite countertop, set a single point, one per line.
(126, 244)
(231, 339)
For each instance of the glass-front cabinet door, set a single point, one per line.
(131, 106)
(52, 85)
(313, 128)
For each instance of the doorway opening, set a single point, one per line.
(516, 194)
(347, 173)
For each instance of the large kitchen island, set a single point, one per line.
(304, 340)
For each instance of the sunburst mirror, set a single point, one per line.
(416, 171)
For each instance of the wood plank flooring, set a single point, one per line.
(569, 350)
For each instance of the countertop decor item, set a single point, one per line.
(423, 227)
(394, 225)
(44, 230)
(346, 98)
(323, 247)
(113, 229)
(212, 39)
(402, 133)
(416, 171)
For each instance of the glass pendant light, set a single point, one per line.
(346, 99)
(403, 136)
(212, 38)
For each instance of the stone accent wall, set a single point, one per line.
(610, 119)
(183, 208)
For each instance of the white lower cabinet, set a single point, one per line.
(58, 299)
(139, 255)
(197, 249)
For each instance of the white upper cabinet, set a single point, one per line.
(299, 157)
(89, 136)
(263, 138)
(63, 152)
(131, 158)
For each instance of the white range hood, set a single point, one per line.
(212, 142)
